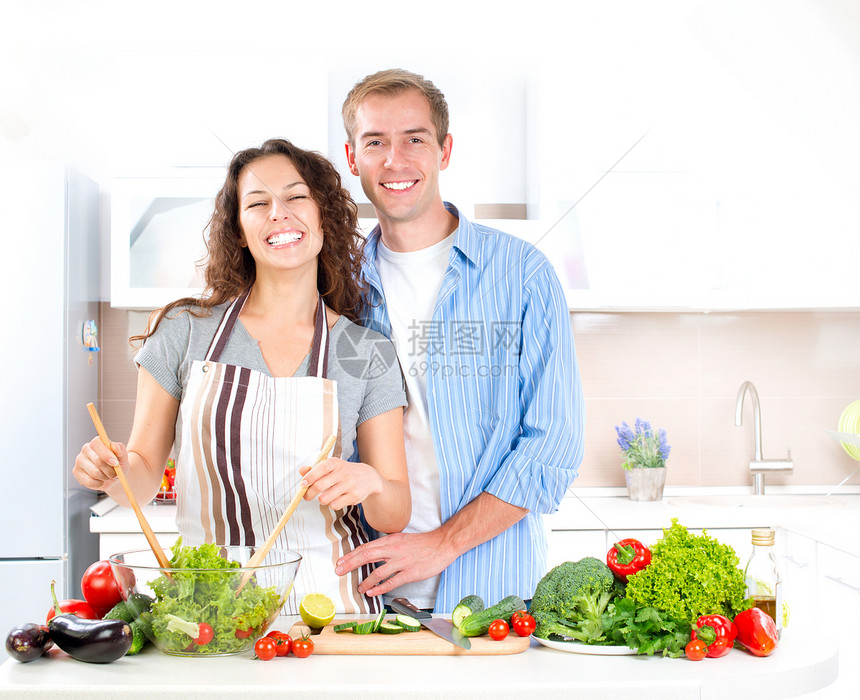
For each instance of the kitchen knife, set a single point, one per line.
(440, 627)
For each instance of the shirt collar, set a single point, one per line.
(466, 238)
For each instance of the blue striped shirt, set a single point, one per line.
(504, 397)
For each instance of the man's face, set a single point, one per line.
(397, 155)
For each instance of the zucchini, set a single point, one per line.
(478, 623)
(470, 604)
(407, 622)
(345, 626)
(390, 628)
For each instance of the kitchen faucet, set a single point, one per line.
(759, 465)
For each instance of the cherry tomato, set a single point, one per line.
(244, 634)
(303, 647)
(205, 633)
(522, 623)
(99, 586)
(283, 642)
(81, 608)
(498, 630)
(696, 650)
(265, 648)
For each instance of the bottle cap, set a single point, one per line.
(763, 537)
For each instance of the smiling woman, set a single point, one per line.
(246, 382)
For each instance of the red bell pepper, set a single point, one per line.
(627, 557)
(757, 632)
(717, 632)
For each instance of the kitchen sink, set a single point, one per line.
(752, 501)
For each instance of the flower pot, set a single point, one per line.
(645, 484)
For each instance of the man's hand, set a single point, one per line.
(415, 556)
(405, 557)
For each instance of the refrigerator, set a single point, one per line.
(50, 284)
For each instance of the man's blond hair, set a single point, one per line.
(393, 82)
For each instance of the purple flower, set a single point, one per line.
(640, 447)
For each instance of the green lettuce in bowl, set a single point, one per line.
(195, 608)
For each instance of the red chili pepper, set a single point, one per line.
(627, 557)
(757, 632)
(717, 632)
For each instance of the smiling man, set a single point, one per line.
(495, 417)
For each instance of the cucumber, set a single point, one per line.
(470, 604)
(378, 621)
(138, 639)
(344, 626)
(390, 628)
(120, 611)
(364, 627)
(407, 622)
(478, 623)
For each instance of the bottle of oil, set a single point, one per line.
(762, 576)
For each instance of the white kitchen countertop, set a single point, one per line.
(803, 663)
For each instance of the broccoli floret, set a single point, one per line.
(570, 600)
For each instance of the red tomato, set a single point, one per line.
(265, 648)
(303, 647)
(205, 634)
(498, 630)
(522, 623)
(81, 608)
(283, 642)
(696, 650)
(244, 634)
(99, 586)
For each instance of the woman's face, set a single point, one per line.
(278, 218)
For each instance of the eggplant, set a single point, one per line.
(28, 642)
(95, 641)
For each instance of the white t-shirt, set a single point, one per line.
(411, 282)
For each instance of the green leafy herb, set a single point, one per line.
(645, 629)
(203, 589)
(689, 576)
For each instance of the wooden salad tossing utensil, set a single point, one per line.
(144, 525)
(261, 553)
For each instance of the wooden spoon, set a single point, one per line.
(144, 525)
(261, 553)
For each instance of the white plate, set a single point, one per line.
(580, 648)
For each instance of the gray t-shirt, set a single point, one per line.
(361, 361)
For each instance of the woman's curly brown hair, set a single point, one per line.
(229, 268)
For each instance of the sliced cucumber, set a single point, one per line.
(407, 622)
(345, 626)
(364, 627)
(470, 604)
(390, 628)
(378, 621)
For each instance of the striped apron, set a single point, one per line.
(245, 436)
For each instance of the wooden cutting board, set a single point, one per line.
(423, 642)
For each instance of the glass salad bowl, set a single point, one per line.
(208, 603)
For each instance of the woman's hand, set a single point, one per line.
(95, 465)
(338, 483)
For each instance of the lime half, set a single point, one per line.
(316, 609)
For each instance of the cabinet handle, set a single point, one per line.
(800, 564)
(839, 579)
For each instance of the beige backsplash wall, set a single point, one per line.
(681, 371)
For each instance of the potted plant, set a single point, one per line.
(644, 453)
